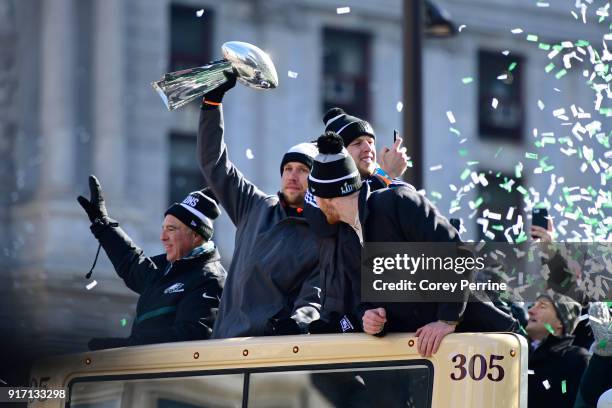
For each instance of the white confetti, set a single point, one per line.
(530, 372)
(343, 10)
(91, 285)
(434, 168)
(292, 74)
(249, 154)
(540, 104)
(494, 103)
(516, 30)
(461, 27)
(510, 213)
(502, 77)
(450, 116)
(200, 12)
(3, 382)
(506, 52)
(542, 4)
(399, 106)
(546, 384)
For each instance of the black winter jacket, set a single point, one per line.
(274, 271)
(555, 360)
(179, 305)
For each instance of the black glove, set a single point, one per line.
(94, 207)
(216, 95)
(101, 343)
(282, 327)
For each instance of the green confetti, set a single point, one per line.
(532, 38)
(557, 47)
(563, 387)
(522, 190)
(544, 46)
(409, 163)
(478, 202)
(531, 155)
(549, 67)
(517, 170)
(467, 80)
(560, 74)
(512, 66)
(549, 328)
(602, 344)
(123, 322)
(582, 43)
(498, 152)
(436, 195)
(522, 329)
(455, 131)
(497, 227)
(472, 163)
(465, 174)
(463, 152)
(549, 140)
(519, 240)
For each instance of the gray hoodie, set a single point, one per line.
(274, 270)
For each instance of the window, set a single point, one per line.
(392, 386)
(185, 174)
(190, 37)
(346, 73)
(498, 200)
(500, 77)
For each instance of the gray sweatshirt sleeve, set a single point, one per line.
(236, 194)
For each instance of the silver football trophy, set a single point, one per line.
(253, 67)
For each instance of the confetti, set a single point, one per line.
(399, 106)
(506, 52)
(461, 27)
(91, 285)
(542, 4)
(498, 152)
(549, 328)
(467, 80)
(546, 384)
(451, 117)
(249, 154)
(531, 155)
(530, 372)
(3, 382)
(494, 103)
(292, 74)
(502, 77)
(563, 387)
(200, 12)
(434, 168)
(549, 67)
(512, 66)
(123, 322)
(540, 104)
(516, 30)
(343, 10)
(560, 74)
(532, 38)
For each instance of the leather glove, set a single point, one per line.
(94, 207)
(282, 327)
(216, 95)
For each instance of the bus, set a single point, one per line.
(476, 370)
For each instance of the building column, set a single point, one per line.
(57, 99)
(109, 98)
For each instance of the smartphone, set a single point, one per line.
(455, 222)
(395, 134)
(539, 217)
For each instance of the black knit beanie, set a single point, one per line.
(197, 211)
(334, 173)
(303, 153)
(348, 127)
